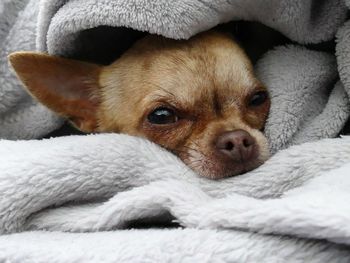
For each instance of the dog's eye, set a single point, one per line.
(258, 98)
(162, 115)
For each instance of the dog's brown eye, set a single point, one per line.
(258, 98)
(162, 115)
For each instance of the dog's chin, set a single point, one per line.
(216, 171)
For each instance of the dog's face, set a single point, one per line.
(197, 98)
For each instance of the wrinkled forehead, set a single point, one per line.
(193, 77)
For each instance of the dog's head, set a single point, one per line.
(198, 98)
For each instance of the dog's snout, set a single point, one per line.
(238, 145)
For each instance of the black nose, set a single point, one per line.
(238, 145)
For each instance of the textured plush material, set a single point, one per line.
(59, 27)
(291, 209)
(88, 184)
(20, 116)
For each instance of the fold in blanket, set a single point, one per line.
(58, 27)
(72, 170)
(20, 116)
(109, 194)
(291, 209)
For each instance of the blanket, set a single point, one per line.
(74, 199)
(87, 184)
(64, 28)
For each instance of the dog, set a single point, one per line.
(197, 98)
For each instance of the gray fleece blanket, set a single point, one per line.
(292, 209)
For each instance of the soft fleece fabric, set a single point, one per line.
(103, 182)
(56, 27)
(297, 197)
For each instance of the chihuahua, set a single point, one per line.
(198, 98)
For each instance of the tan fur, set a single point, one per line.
(207, 79)
(67, 87)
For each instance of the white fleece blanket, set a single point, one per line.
(61, 27)
(225, 220)
(291, 209)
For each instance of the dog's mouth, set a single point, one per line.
(220, 171)
(214, 167)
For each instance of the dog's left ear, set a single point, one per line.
(68, 87)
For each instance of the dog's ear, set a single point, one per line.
(68, 87)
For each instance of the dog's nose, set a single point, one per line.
(238, 145)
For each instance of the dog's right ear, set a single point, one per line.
(68, 87)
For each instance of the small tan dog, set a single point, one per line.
(198, 98)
